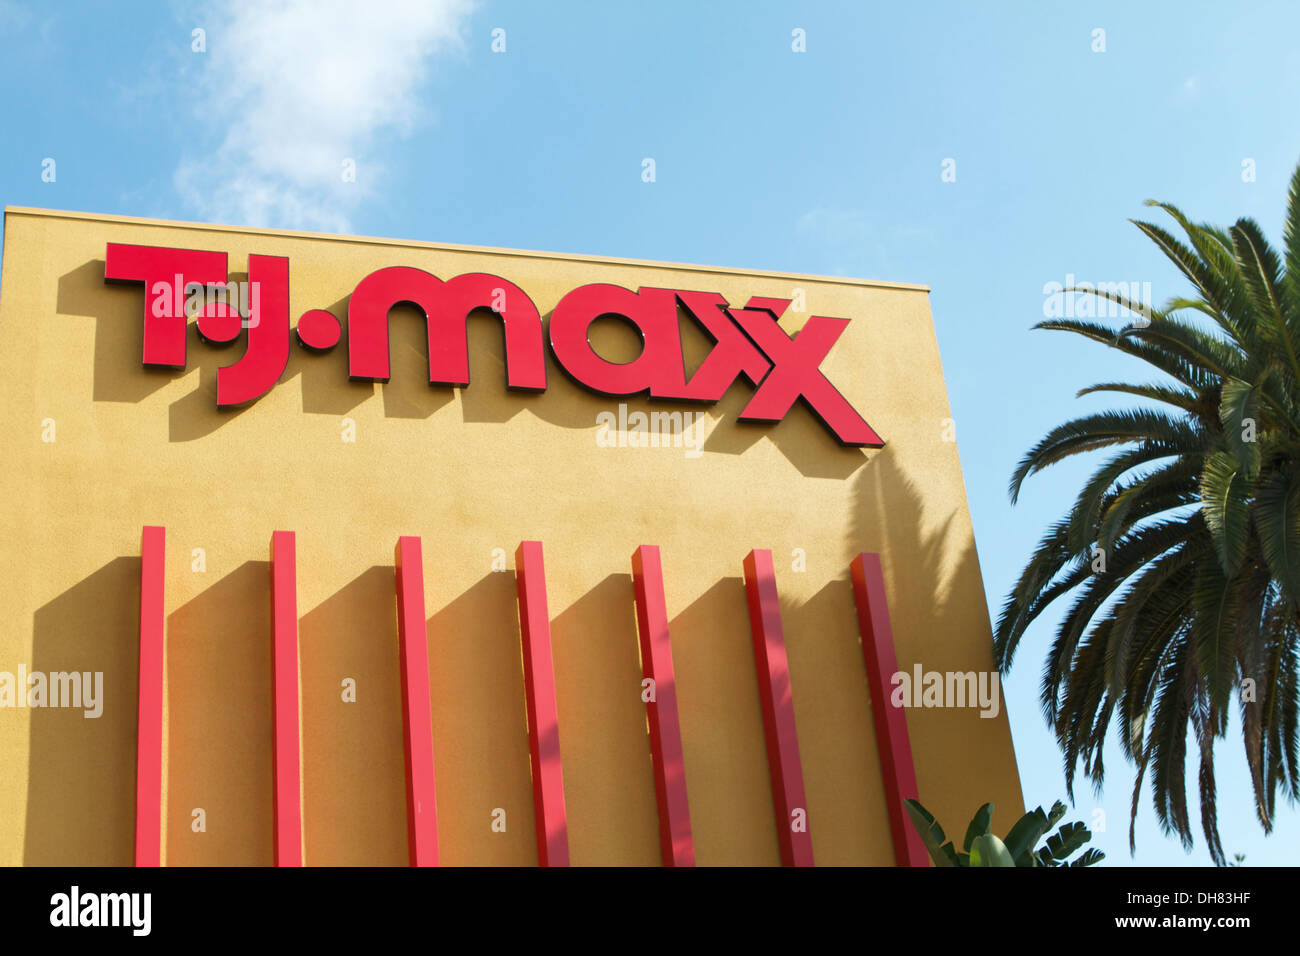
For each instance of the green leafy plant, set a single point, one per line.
(981, 847)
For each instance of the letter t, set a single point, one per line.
(164, 331)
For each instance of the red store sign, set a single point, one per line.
(748, 342)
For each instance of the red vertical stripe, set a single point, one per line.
(675, 842)
(543, 718)
(285, 768)
(778, 710)
(891, 722)
(778, 701)
(417, 714)
(148, 760)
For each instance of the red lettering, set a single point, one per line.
(732, 354)
(747, 342)
(796, 372)
(264, 361)
(657, 370)
(446, 307)
(165, 273)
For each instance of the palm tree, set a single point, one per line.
(1181, 552)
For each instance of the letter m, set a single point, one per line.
(116, 909)
(446, 307)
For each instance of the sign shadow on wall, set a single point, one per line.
(480, 727)
(888, 517)
(326, 388)
(219, 728)
(733, 819)
(119, 375)
(939, 610)
(353, 762)
(80, 803)
(842, 779)
(81, 770)
(603, 726)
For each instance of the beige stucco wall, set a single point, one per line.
(470, 471)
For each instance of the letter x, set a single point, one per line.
(796, 373)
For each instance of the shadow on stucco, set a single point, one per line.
(724, 751)
(80, 807)
(594, 645)
(940, 621)
(353, 762)
(219, 733)
(480, 727)
(119, 375)
(81, 771)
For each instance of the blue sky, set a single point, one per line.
(823, 161)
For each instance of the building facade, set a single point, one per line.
(342, 550)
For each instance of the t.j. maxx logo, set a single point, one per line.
(748, 341)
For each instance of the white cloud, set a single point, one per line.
(290, 90)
